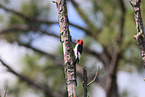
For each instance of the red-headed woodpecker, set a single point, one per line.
(78, 50)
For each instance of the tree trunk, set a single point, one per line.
(113, 91)
(65, 38)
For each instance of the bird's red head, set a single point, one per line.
(80, 41)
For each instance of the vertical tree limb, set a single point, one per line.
(85, 81)
(140, 37)
(65, 38)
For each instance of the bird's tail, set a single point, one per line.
(76, 61)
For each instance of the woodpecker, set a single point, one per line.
(78, 50)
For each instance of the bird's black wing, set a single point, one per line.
(80, 48)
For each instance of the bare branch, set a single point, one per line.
(57, 60)
(30, 82)
(25, 27)
(32, 19)
(94, 77)
(17, 27)
(101, 56)
(43, 21)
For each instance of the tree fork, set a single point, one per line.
(65, 39)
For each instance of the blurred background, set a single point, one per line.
(31, 50)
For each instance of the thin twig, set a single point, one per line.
(94, 77)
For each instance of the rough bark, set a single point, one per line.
(140, 37)
(65, 38)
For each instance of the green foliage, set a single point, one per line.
(34, 9)
(106, 36)
(31, 9)
(1, 18)
(13, 36)
(14, 19)
(31, 66)
(80, 88)
(143, 10)
(43, 70)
